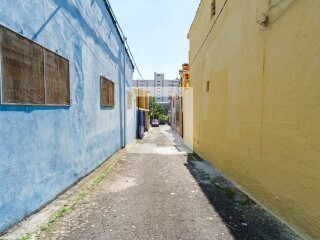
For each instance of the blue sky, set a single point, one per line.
(157, 33)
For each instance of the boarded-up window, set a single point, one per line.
(107, 93)
(129, 100)
(31, 74)
(56, 79)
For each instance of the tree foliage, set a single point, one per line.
(157, 110)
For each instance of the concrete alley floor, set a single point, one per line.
(159, 191)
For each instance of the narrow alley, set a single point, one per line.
(157, 190)
(163, 120)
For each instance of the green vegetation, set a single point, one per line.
(157, 110)
(25, 237)
(58, 215)
(94, 183)
(80, 195)
(163, 117)
(92, 186)
(65, 210)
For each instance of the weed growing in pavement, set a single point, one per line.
(98, 180)
(65, 210)
(80, 195)
(59, 214)
(94, 183)
(25, 237)
(44, 227)
(92, 186)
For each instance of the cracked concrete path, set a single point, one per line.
(157, 192)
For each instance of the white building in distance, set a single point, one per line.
(159, 87)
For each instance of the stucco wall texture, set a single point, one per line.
(187, 108)
(45, 149)
(259, 123)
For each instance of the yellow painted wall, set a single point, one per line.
(260, 121)
(187, 109)
(142, 98)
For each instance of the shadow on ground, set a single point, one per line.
(244, 218)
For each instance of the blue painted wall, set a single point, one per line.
(43, 149)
